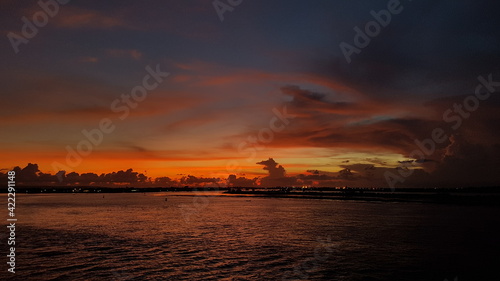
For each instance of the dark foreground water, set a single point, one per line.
(144, 237)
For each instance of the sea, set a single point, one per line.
(213, 236)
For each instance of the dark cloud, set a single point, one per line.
(190, 180)
(277, 174)
(234, 181)
(27, 174)
(432, 48)
(301, 96)
(275, 171)
(31, 175)
(469, 164)
(165, 181)
(128, 176)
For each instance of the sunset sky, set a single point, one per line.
(223, 107)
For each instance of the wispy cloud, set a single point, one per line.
(121, 53)
(77, 18)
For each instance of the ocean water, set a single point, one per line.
(138, 236)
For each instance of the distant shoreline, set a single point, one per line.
(492, 199)
(489, 196)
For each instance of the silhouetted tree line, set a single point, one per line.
(31, 174)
